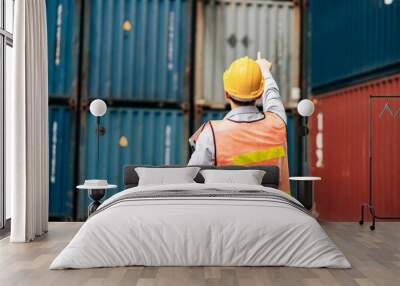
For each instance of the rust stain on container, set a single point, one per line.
(339, 150)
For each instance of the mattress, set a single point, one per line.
(201, 225)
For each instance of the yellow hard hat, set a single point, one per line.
(243, 80)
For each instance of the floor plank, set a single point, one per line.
(375, 257)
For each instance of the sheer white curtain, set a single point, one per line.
(26, 124)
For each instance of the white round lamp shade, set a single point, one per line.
(98, 108)
(305, 107)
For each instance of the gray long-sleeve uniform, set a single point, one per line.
(204, 153)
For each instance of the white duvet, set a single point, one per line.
(192, 231)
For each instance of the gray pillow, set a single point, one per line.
(247, 177)
(166, 176)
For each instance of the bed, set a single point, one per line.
(198, 224)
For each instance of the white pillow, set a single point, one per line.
(166, 176)
(248, 177)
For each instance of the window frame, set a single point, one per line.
(6, 39)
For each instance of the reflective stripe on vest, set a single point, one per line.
(261, 142)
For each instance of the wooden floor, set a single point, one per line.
(375, 257)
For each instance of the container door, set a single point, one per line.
(61, 150)
(385, 152)
(63, 32)
(234, 29)
(138, 50)
(63, 46)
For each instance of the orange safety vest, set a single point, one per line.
(260, 142)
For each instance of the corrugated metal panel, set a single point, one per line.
(385, 150)
(139, 50)
(133, 136)
(234, 29)
(365, 40)
(61, 186)
(292, 137)
(62, 33)
(341, 156)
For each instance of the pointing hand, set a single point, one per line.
(264, 65)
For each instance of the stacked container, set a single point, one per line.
(355, 130)
(63, 49)
(230, 29)
(137, 56)
(227, 30)
(133, 55)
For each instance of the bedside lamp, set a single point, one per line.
(98, 108)
(305, 109)
(97, 188)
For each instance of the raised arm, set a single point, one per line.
(271, 98)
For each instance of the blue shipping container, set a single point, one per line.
(139, 50)
(207, 115)
(353, 39)
(61, 186)
(62, 40)
(133, 136)
(292, 140)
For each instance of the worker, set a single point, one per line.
(246, 136)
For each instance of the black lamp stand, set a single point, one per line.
(304, 191)
(97, 194)
(100, 131)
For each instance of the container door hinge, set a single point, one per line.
(232, 40)
(199, 109)
(84, 105)
(185, 108)
(245, 41)
(72, 103)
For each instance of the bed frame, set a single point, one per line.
(270, 179)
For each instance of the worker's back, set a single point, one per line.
(246, 136)
(260, 142)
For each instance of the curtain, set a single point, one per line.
(26, 124)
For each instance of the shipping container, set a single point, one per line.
(132, 136)
(354, 145)
(61, 166)
(138, 50)
(229, 29)
(63, 46)
(352, 41)
(212, 114)
(293, 139)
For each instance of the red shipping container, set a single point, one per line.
(348, 126)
